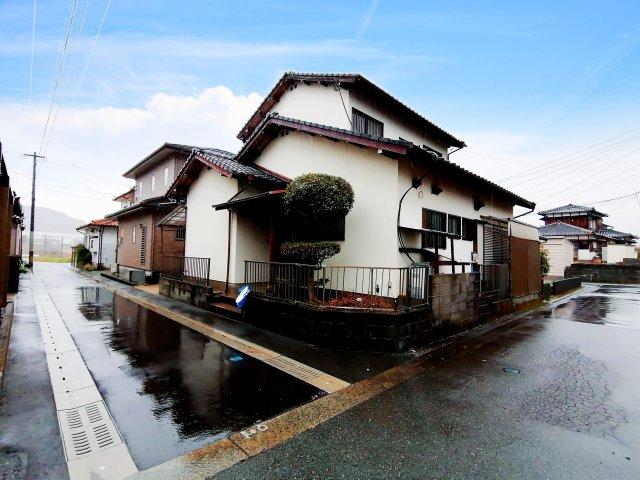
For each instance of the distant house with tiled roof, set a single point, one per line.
(101, 238)
(578, 233)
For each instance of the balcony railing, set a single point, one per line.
(386, 288)
(187, 269)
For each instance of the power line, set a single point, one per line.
(33, 47)
(583, 160)
(580, 179)
(64, 184)
(60, 67)
(93, 47)
(87, 172)
(524, 172)
(67, 75)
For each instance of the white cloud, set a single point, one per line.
(106, 140)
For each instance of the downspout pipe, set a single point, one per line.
(525, 213)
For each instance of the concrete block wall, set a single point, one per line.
(605, 273)
(454, 299)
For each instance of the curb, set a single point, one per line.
(218, 456)
(5, 338)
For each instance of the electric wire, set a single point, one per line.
(60, 68)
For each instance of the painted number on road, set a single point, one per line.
(260, 427)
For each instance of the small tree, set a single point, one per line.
(311, 203)
(545, 261)
(83, 256)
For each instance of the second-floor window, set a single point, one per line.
(139, 188)
(133, 234)
(433, 220)
(153, 183)
(363, 123)
(166, 176)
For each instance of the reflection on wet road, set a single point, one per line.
(170, 389)
(613, 305)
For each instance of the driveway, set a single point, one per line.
(555, 397)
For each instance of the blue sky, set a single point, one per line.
(521, 82)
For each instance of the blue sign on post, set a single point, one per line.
(242, 296)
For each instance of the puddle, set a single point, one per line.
(613, 306)
(170, 389)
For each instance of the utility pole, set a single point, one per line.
(35, 157)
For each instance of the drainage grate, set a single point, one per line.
(87, 429)
(294, 368)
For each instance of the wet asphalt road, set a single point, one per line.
(573, 411)
(169, 389)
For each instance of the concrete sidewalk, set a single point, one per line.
(554, 397)
(30, 445)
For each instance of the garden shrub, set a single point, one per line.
(311, 253)
(545, 261)
(83, 256)
(315, 198)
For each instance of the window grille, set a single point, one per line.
(180, 233)
(143, 244)
(363, 123)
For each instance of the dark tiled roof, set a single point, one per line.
(350, 78)
(397, 147)
(278, 119)
(561, 229)
(614, 234)
(572, 209)
(186, 149)
(227, 162)
(155, 202)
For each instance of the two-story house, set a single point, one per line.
(412, 204)
(578, 233)
(143, 244)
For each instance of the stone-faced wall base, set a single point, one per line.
(184, 292)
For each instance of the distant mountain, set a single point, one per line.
(52, 221)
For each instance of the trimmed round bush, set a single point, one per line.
(311, 253)
(317, 196)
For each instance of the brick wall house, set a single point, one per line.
(142, 243)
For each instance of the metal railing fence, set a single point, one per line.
(188, 269)
(389, 288)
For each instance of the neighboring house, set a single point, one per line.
(143, 245)
(411, 203)
(101, 239)
(584, 226)
(11, 226)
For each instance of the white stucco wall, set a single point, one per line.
(523, 230)
(370, 227)
(454, 199)
(322, 104)
(394, 125)
(206, 228)
(616, 253)
(315, 103)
